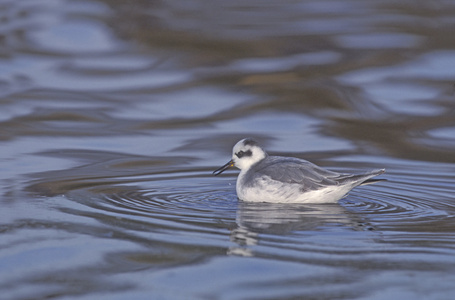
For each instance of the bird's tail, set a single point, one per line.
(368, 177)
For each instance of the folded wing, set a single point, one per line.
(308, 175)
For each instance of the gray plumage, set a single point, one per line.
(302, 172)
(265, 178)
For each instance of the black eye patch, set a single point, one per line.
(241, 153)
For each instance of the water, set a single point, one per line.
(113, 115)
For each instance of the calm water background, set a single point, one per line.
(114, 113)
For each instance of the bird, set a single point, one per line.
(278, 179)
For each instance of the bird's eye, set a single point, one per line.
(240, 154)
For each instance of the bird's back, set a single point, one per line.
(293, 171)
(296, 180)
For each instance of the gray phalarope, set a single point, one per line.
(278, 179)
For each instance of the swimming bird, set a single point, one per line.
(279, 179)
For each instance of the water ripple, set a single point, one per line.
(155, 204)
(195, 198)
(404, 205)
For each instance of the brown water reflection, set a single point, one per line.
(113, 115)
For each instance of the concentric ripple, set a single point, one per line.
(183, 198)
(405, 202)
(181, 203)
(170, 218)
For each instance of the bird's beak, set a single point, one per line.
(223, 168)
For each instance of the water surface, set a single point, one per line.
(114, 114)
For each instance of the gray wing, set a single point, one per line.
(299, 171)
(308, 175)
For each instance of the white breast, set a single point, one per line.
(265, 189)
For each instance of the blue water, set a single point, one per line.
(114, 115)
